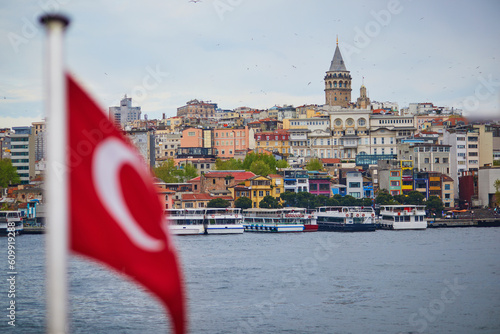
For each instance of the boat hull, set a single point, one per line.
(333, 227)
(274, 228)
(310, 228)
(225, 229)
(421, 225)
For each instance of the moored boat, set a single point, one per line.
(205, 221)
(345, 218)
(403, 217)
(276, 220)
(10, 222)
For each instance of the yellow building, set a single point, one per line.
(276, 141)
(406, 176)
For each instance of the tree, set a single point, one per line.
(434, 205)
(218, 203)
(167, 171)
(314, 164)
(282, 164)
(269, 202)
(8, 173)
(187, 173)
(384, 198)
(259, 167)
(231, 164)
(497, 191)
(415, 198)
(243, 203)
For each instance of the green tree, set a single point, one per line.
(259, 167)
(415, 198)
(231, 164)
(282, 164)
(8, 173)
(497, 191)
(167, 171)
(218, 203)
(269, 202)
(314, 164)
(434, 205)
(252, 157)
(384, 198)
(187, 173)
(243, 203)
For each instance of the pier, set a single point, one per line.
(33, 230)
(480, 222)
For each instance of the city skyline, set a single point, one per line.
(257, 54)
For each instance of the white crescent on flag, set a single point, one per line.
(108, 158)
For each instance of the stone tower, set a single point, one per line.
(338, 82)
(363, 99)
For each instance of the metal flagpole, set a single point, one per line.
(57, 177)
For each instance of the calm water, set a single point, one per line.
(433, 281)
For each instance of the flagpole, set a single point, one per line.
(57, 175)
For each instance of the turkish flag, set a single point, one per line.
(115, 214)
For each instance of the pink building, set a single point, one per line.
(228, 141)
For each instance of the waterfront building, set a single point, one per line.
(276, 142)
(487, 175)
(389, 176)
(259, 187)
(222, 179)
(166, 142)
(338, 82)
(22, 143)
(448, 195)
(39, 131)
(229, 141)
(295, 179)
(319, 183)
(197, 109)
(124, 113)
(144, 141)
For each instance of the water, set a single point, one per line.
(323, 282)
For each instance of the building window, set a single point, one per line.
(436, 160)
(261, 193)
(394, 173)
(394, 183)
(354, 184)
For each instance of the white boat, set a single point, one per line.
(403, 217)
(277, 220)
(10, 222)
(345, 218)
(205, 221)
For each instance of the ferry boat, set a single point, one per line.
(10, 219)
(403, 217)
(205, 221)
(345, 218)
(278, 220)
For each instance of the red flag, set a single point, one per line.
(115, 214)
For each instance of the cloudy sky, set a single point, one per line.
(255, 53)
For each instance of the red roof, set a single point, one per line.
(198, 178)
(202, 197)
(238, 176)
(330, 161)
(275, 176)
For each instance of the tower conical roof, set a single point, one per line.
(337, 62)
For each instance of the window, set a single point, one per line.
(354, 185)
(255, 193)
(426, 160)
(394, 183)
(261, 193)
(394, 173)
(267, 192)
(447, 196)
(213, 181)
(436, 160)
(447, 186)
(191, 134)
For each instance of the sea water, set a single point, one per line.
(431, 281)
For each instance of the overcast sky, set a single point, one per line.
(256, 53)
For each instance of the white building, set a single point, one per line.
(22, 143)
(125, 112)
